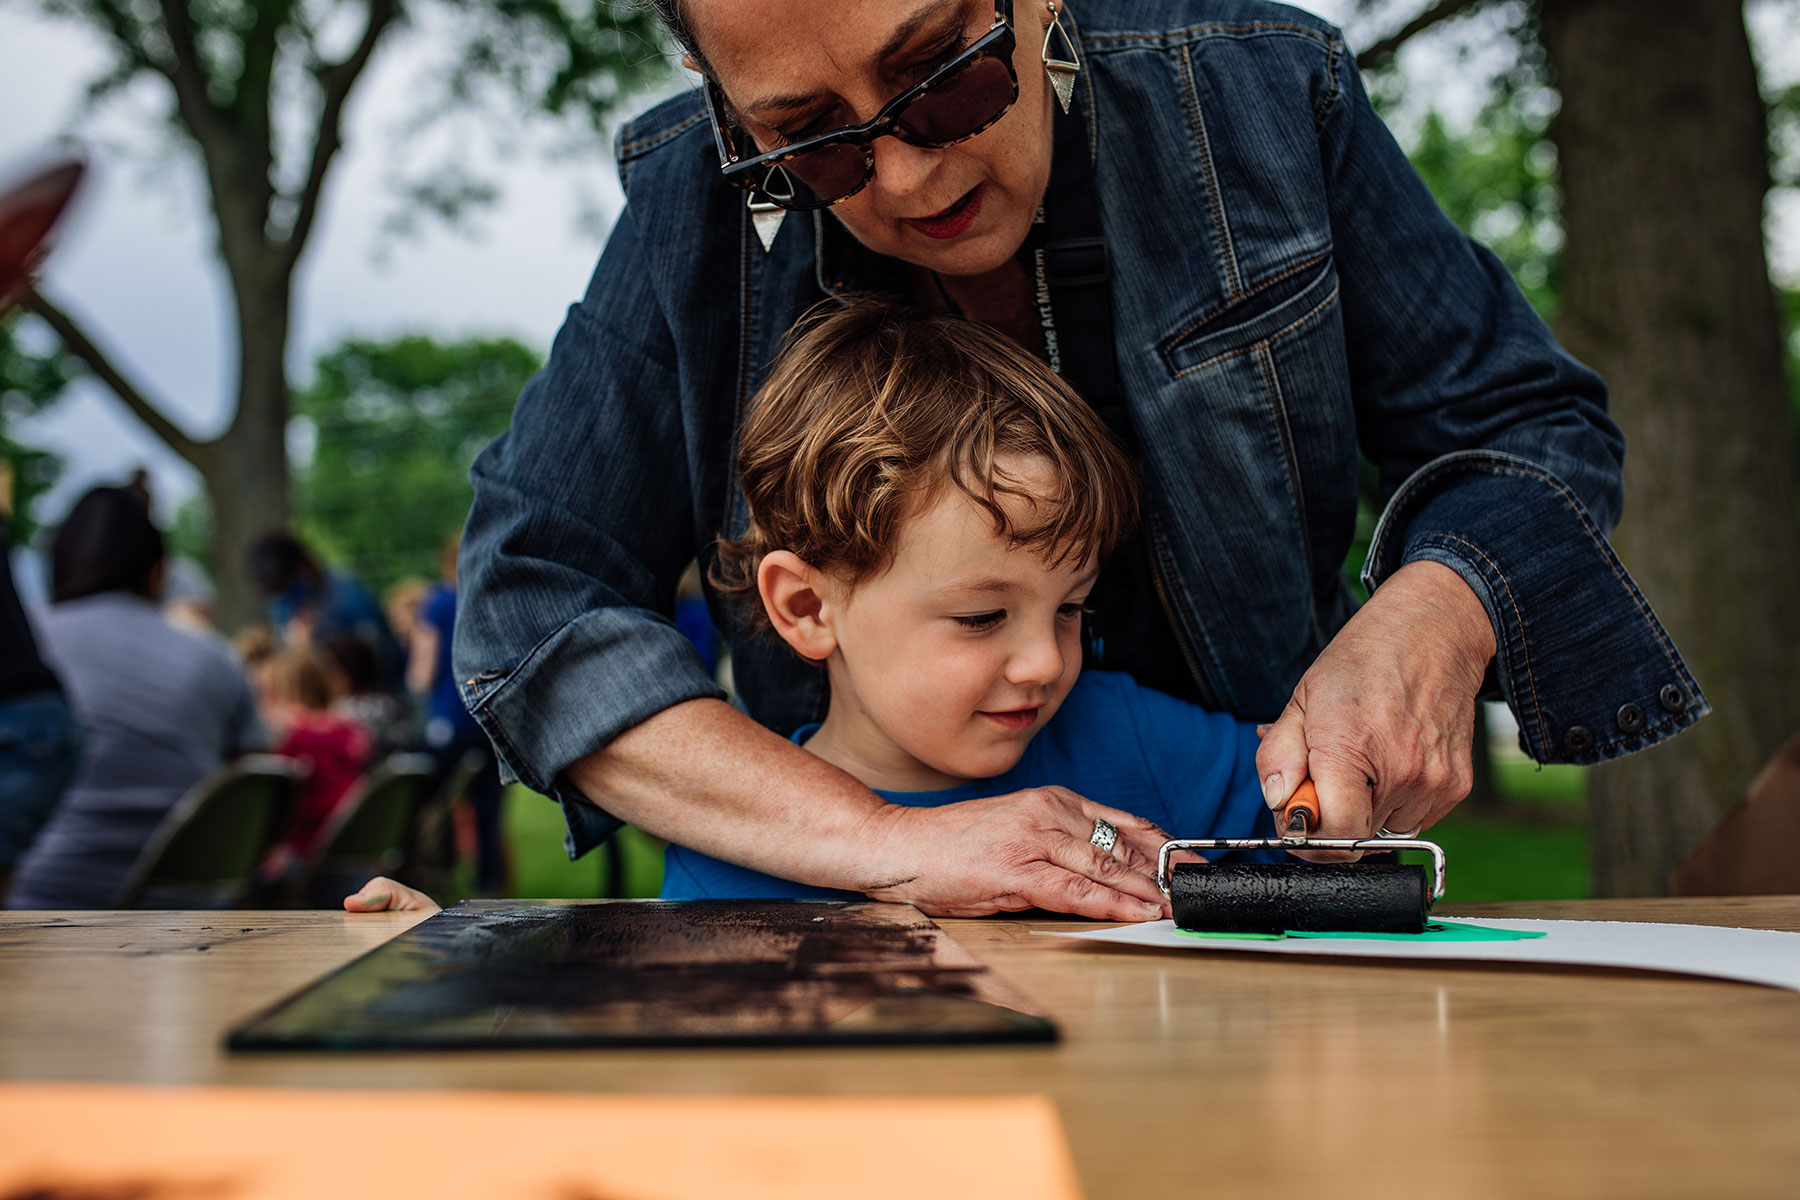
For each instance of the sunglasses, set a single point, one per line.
(951, 105)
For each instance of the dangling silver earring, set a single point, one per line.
(765, 215)
(1061, 63)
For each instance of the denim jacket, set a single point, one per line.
(1286, 294)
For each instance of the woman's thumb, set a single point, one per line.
(1281, 758)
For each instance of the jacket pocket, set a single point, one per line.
(1274, 308)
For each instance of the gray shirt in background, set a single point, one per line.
(160, 709)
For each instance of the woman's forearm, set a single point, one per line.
(706, 776)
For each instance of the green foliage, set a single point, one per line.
(388, 430)
(29, 381)
(1498, 183)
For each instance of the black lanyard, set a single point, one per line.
(1065, 257)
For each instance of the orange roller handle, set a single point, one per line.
(1300, 815)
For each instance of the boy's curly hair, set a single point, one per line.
(872, 408)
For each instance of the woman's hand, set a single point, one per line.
(1384, 720)
(706, 776)
(1026, 849)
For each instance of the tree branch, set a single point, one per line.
(335, 82)
(185, 72)
(1378, 54)
(81, 346)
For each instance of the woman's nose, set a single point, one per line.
(901, 169)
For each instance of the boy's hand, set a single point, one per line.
(382, 894)
(1023, 850)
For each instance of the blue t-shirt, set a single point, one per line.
(1113, 741)
(444, 702)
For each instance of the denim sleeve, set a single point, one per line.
(1496, 454)
(580, 527)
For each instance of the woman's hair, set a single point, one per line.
(296, 677)
(107, 544)
(873, 408)
(669, 12)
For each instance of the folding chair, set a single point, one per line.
(431, 842)
(205, 851)
(366, 835)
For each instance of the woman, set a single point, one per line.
(160, 708)
(1226, 252)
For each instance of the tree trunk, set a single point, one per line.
(247, 472)
(1662, 139)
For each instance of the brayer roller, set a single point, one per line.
(1327, 897)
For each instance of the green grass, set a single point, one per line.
(541, 870)
(1532, 846)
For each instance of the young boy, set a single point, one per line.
(929, 508)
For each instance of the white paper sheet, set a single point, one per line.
(1749, 955)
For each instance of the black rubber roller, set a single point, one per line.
(1321, 898)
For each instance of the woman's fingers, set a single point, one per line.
(1281, 758)
(1077, 891)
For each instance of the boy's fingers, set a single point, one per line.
(366, 901)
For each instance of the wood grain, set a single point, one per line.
(1176, 1073)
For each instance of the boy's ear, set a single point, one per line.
(794, 595)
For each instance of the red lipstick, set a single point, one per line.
(953, 221)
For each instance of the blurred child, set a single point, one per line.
(355, 678)
(929, 507)
(295, 697)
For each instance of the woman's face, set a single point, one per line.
(798, 67)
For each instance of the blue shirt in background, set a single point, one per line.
(1113, 741)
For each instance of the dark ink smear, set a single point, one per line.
(494, 973)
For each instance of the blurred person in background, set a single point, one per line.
(309, 605)
(450, 732)
(188, 597)
(160, 708)
(401, 604)
(356, 695)
(40, 741)
(294, 693)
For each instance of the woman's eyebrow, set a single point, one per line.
(897, 42)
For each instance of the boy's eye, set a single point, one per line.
(1073, 610)
(982, 620)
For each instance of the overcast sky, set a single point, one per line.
(134, 262)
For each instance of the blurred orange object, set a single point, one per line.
(277, 1144)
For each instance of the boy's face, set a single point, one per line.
(946, 664)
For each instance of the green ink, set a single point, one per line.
(1435, 931)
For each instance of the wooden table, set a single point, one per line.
(1177, 1074)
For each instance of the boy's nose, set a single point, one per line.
(1036, 660)
(900, 169)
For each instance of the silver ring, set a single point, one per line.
(1104, 836)
(1385, 832)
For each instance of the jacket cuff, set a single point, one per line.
(580, 688)
(1583, 663)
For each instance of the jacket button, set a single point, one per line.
(1671, 698)
(1578, 740)
(1630, 718)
